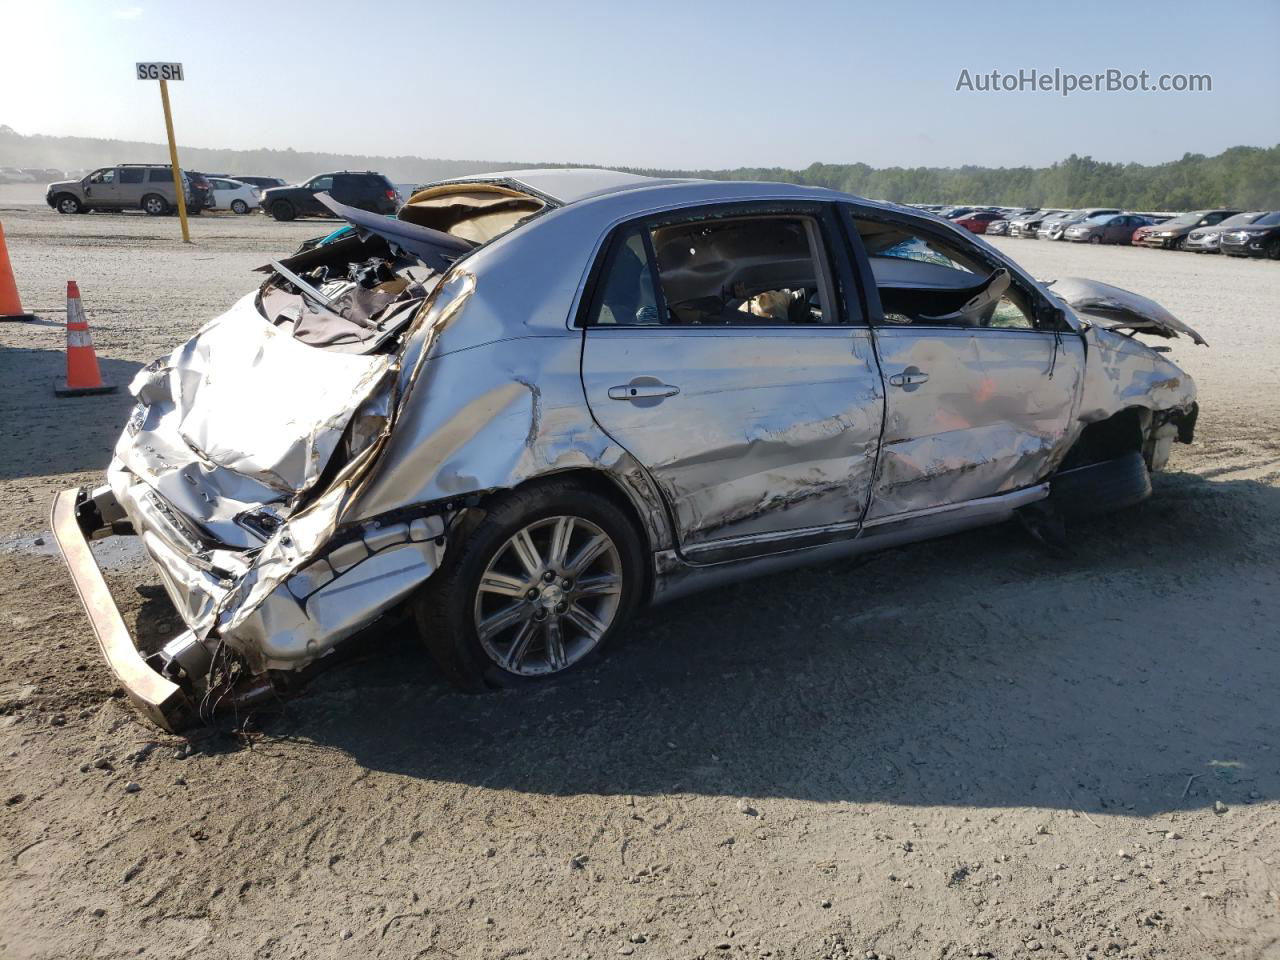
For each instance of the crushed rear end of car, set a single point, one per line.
(246, 447)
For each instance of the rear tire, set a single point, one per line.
(155, 205)
(283, 210)
(67, 204)
(527, 561)
(240, 207)
(1099, 488)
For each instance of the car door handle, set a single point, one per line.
(643, 388)
(909, 378)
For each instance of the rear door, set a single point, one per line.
(725, 350)
(130, 186)
(978, 401)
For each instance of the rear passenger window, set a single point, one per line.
(627, 296)
(763, 270)
(160, 176)
(132, 175)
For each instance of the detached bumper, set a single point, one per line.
(163, 702)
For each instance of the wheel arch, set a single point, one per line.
(632, 493)
(1109, 438)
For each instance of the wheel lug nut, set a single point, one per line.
(548, 576)
(566, 583)
(561, 607)
(531, 595)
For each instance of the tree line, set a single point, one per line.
(1247, 178)
(1243, 177)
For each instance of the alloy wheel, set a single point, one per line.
(548, 596)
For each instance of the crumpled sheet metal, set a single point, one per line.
(219, 378)
(368, 387)
(305, 534)
(495, 414)
(961, 437)
(1124, 373)
(1113, 306)
(778, 428)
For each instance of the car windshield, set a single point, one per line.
(1270, 220)
(1186, 220)
(1101, 218)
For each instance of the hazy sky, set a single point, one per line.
(694, 83)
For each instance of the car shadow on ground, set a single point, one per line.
(44, 434)
(974, 670)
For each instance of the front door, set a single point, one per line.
(719, 352)
(102, 191)
(309, 205)
(982, 378)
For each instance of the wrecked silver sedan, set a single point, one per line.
(533, 402)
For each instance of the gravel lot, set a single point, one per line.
(962, 748)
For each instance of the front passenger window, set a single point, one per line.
(925, 279)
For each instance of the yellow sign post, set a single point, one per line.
(164, 72)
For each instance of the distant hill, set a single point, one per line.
(86, 153)
(1243, 177)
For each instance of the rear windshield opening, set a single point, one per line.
(350, 295)
(478, 212)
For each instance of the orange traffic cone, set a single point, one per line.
(83, 375)
(10, 302)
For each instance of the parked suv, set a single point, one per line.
(127, 186)
(365, 190)
(1259, 239)
(1172, 234)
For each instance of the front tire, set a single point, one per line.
(67, 204)
(283, 210)
(1095, 239)
(1098, 488)
(1273, 250)
(531, 588)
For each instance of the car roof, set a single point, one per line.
(580, 187)
(569, 184)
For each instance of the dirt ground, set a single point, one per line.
(962, 748)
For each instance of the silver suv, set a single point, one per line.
(127, 186)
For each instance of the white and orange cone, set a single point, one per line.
(83, 375)
(10, 302)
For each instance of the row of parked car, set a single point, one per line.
(149, 187)
(1239, 233)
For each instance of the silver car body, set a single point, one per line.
(738, 449)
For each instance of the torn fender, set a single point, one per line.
(1114, 308)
